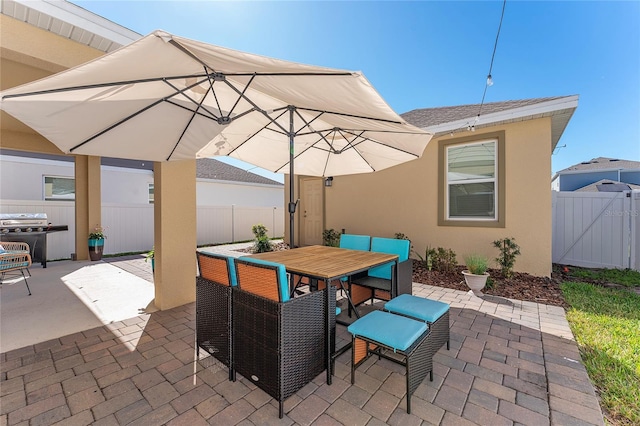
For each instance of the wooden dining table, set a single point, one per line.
(324, 263)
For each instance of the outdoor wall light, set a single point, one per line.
(328, 181)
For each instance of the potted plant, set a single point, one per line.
(476, 273)
(96, 243)
(151, 255)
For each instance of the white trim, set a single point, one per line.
(82, 18)
(574, 172)
(33, 160)
(493, 180)
(548, 108)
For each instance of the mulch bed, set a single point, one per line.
(520, 286)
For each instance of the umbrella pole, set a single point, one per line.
(292, 204)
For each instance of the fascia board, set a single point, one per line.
(576, 172)
(540, 109)
(82, 18)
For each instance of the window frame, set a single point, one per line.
(44, 188)
(499, 182)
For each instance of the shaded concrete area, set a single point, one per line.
(510, 362)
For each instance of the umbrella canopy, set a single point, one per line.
(165, 97)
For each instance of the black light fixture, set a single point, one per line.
(328, 181)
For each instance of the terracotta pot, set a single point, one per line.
(475, 282)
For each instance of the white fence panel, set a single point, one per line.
(596, 230)
(634, 215)
(214, 225)
(129, 227)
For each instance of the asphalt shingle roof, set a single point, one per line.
(209, 168)
(603, 163)
(427, 117)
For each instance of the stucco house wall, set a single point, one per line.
(405, 199)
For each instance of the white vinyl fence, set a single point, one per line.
(597, 229)
(129, 227)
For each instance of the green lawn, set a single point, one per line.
(625, 277)
(606, 325)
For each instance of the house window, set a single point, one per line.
(59, 188)
(471, 181)
(471, 175)
(150, 193)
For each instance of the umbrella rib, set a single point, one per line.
(99, 85)
(186, 127)
(199, 104)
(342, 114)
(124, 120)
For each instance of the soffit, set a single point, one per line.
(70, 21)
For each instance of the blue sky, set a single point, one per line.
(436, 53)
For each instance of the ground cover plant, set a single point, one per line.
(606, 324)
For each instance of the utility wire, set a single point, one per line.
(495, 46)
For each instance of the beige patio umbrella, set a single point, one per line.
(165, 97)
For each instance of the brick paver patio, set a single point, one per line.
(510, 363)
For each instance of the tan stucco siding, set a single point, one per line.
(27, 54)
(32, 46)
(405, 199)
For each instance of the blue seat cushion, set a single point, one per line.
(417, 307)
(355, 242)
(338, 310)
(389, 246)
(394, 331)
(283, 284)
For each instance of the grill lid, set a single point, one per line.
(23, 219)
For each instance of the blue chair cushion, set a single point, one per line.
(282, 275)
(417, 307)
(338, 310)
(394, 331)
(355, 242)
(232, 271)
(389, 246)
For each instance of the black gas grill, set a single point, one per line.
(30, 228)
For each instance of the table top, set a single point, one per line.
(326, 262)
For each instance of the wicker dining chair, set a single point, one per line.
(214, 307)
(386, 281)
(14, 259)
(279, 342)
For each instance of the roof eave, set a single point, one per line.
(75, 17)
(560, 110)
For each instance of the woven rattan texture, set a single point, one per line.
(280, 347)
(213, 319)
(214, 268)
(261, 280)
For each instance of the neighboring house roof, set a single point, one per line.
(206, 168)
(70, 21)
(443, 120)
(607, 185)
(603, 163)
(209, 168)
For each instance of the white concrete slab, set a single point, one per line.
(69, 297)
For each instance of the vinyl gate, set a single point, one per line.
(597, 229)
